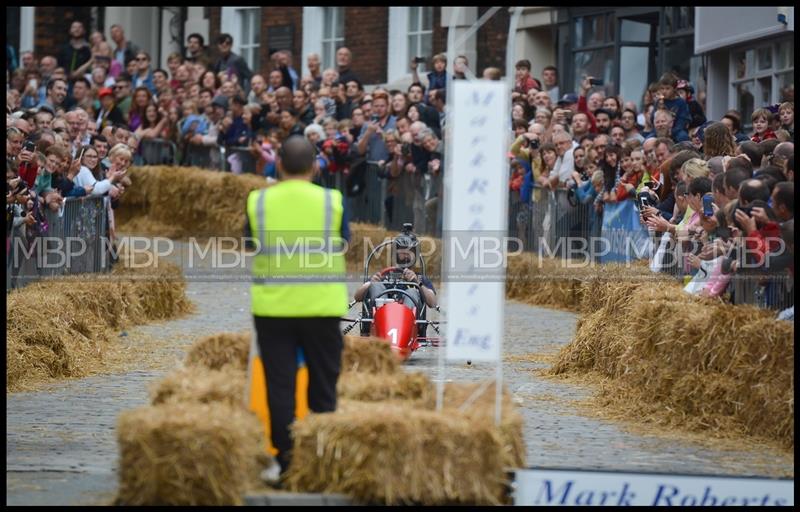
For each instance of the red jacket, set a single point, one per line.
(622, 192)
(763, 241)
(584, 107)
(28, 172)
(769, 134)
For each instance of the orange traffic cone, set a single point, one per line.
(257, 392)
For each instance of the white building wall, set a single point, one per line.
(139, 23)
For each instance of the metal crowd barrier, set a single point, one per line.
(72, 243)
(241, 158)
(549, 223)
(207, 157)
(334, 180)
(368, 205)
(158, 152)
(765, 290)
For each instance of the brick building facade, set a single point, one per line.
(367, 32)
(52, 24)
(366, 35)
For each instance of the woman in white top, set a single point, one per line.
(120, 156)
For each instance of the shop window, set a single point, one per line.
(762, 76)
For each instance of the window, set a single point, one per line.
(594, 30)
(637, 51)
(420, 34)
(593, 52)
(761, 76)
(332, 35)
(678, 19)
(597, 63)
(249, 24)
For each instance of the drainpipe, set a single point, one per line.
(160, 35)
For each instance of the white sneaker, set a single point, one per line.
(272, 474)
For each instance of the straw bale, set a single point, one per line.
(398, 454)
(468, 399)
(197, 384)
(63, 327)
(570, 285)
(363, 355)
(690, 362)
(475, 400)
(368, 355)
(365, 237)
(159, 194)
(187, 454)
(220, 350)
(368, 387)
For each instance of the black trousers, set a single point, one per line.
(278, 341)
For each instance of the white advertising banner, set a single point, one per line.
(557, 487)
(476, 222)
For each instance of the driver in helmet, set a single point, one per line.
(404, 248)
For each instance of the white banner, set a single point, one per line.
(557, 487)
(476, 222)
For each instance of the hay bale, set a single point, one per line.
(201, 385)
(368, 355)
(364, 355)
(84, 312)
(397, 454)
(690, 362)
(158, 196)
(220, 350)
(365, 237)
(187, 454)
(569, 285)
(475, 400)
(368, 387)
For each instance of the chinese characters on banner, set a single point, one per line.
(476, 221)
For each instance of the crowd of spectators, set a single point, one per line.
(724, 198)
(76, 120)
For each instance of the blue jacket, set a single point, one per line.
(586, 192)
(437, 80)
(147, 82)
(526, 190)
(683, 117)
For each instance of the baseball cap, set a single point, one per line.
(568, 98)
(220, 101)
(685, 84)
(105, 91)
(702, 130)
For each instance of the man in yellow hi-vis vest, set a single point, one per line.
(298, 290)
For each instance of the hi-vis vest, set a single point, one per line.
(299, 268)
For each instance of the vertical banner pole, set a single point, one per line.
(448, 178)
(511, 46)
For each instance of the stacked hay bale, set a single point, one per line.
(180, 453)
(66, 327)
(196, 444)
(684, 361)
(568, 285)
(185, 201)
(387, 444)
